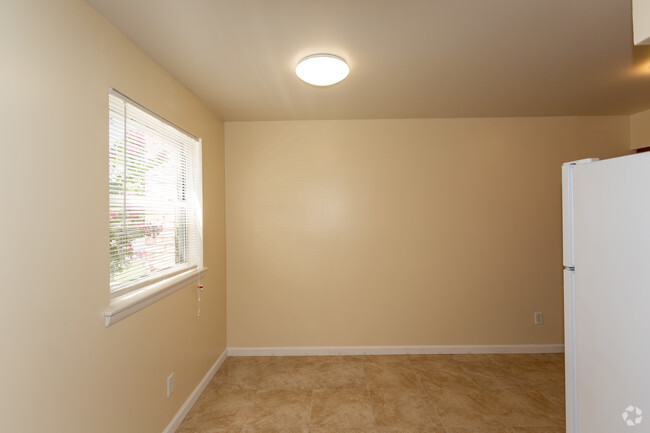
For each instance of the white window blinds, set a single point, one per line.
(154, 196)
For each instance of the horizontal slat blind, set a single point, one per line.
(154, 196)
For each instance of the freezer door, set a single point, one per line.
(569, 351)
(612, 294)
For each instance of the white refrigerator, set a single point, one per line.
(606, 230)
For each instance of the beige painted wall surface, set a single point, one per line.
(401, 232)
(640, 129)
(62, 370)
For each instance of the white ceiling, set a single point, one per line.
(408, 58)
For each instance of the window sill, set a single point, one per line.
(123, 306)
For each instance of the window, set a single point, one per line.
(154, 197)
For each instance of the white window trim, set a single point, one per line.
(130, 300)
(127, 304)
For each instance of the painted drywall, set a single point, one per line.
(640, 129)
(401, 232)
(62, 369)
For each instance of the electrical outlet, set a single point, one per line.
(539, 318)
(170, 384)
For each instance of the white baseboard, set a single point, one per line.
(392, 350)
(185, 408)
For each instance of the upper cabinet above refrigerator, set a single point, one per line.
(641, 21)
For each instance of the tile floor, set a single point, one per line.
(517, 393)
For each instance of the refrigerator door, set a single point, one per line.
(612, 294)
(569, 351)
(567, 210)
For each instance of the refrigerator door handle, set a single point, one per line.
(569, 351)
(567, 209)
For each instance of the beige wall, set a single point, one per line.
(62, 370)
(640, 129)
(401, 232)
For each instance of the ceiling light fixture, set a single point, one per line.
(322, 69)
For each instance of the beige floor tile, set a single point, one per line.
(464, 408)
(182, 429)
(482, 358)
(543, 375)
(295, 374)
(383, 394)
(556, 395)
(526, 407)
(442, 374)
(238, 374)
(402, 407)
(381, 375)
(341, 408)
(489, 375)
(276, 409)
(343, 430)
(510, 358)
(293, 360)
(444, 358)
(220, 408)
(537, 373)
(539, 429)
(339, 374)
(551, 357)
(479, 430)
(188, 429)
(410, 430)
(275, 430)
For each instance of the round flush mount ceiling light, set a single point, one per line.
(322, 69)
